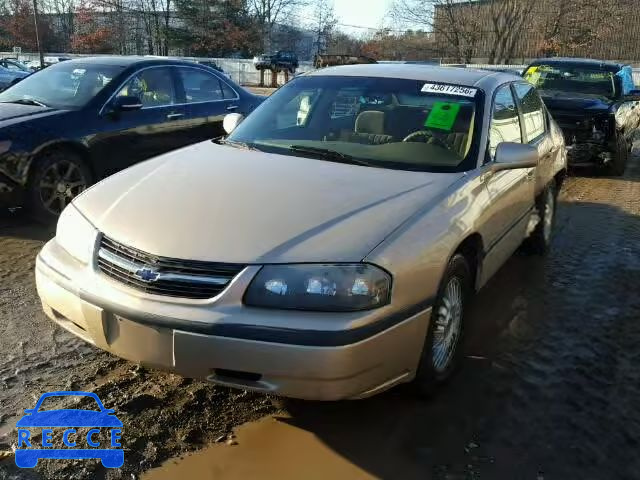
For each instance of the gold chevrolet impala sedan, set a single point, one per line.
(328, 247)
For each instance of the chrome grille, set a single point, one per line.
(161, 275)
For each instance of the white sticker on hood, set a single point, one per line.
(444, 89)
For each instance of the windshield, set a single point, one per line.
(578, 79)
(382, 122)
(14, 65)
(64, 85)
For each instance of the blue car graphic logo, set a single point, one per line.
(27, 455)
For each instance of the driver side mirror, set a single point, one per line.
(512, 156)
(231, 122)
(126, 103)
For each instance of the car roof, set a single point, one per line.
(467, 77)
(586, 62)
(127, 61)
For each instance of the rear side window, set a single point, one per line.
(532, 111)
(228, 92)
(505, 121)
(200, 86)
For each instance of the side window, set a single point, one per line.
(200, 86)
(505, 121)
(153, 86)
(532, 111)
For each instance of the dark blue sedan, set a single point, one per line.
(69, 125)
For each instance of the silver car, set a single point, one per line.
(328, 247)
(11, 72)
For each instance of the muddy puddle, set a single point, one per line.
(270, 448)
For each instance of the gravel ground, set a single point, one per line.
(549, 389)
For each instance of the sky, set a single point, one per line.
(368, 13)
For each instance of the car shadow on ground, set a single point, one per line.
(18, 224)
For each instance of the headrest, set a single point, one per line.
(371, 121)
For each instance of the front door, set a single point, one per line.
(128, 137)
(511, 191)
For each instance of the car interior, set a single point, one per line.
(386, 120)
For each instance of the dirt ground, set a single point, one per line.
(549, 389)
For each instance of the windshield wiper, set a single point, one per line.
(331, 155)
(27, 101)
(231, 143)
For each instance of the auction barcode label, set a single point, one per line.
(449, 89)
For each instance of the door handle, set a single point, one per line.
(531, 174)
(174, 116)
(232, 107)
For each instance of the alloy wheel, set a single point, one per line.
(60, 183)
(448, 325)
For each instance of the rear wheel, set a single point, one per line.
(619, 161)
(442, 344)
(59, 177)
(539, 242)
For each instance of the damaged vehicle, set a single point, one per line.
(595, 103)
(329, 247)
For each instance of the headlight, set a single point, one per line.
(75, 234)
(327, 288)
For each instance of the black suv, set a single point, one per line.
(279, 61)
(595, 103)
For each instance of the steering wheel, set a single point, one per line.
(425, 136)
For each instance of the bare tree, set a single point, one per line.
(507, 17)
(270, 12)
(457, 26)
(580, 27)
(323, 23)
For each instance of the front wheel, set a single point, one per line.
(442, 345)
(58, 177)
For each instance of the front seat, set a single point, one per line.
(459, 143)
(369, 128)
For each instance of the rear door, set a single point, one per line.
(536, 131)
(207, 99)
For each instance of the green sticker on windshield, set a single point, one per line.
(443, 115)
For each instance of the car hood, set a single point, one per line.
(13, 112)
(575, 102)
(218, 203)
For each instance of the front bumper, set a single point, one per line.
(588, 154)
(327, 357)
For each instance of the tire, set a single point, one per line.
(539, 242)
(619, 161)
(437, 362)
(54, 171)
